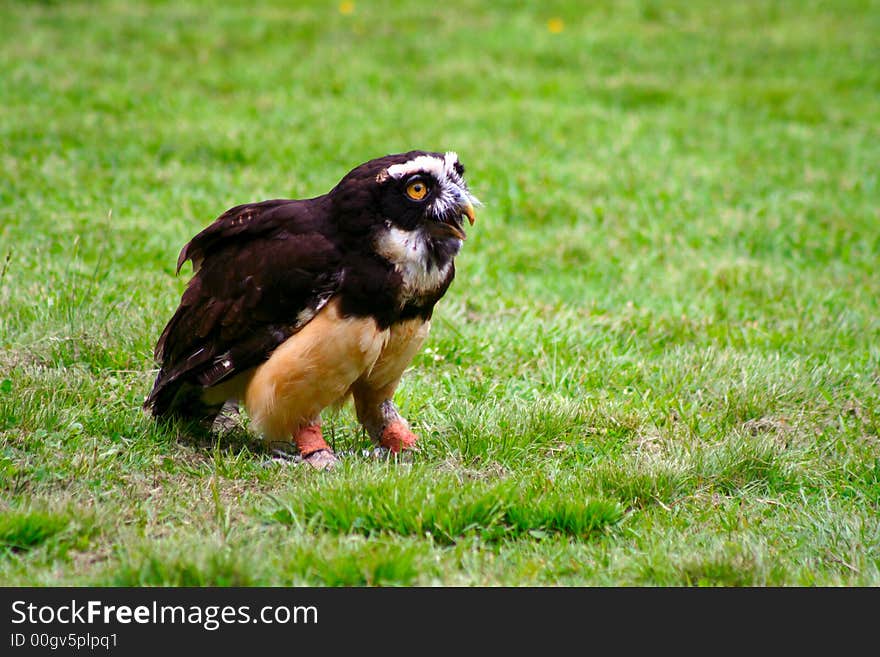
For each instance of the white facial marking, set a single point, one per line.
(423, 163)
(407, 250)
(452, 192)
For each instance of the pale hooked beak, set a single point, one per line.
(469, 212)
(465, 208)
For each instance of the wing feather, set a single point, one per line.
(260, 271)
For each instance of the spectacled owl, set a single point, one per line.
(295, 305)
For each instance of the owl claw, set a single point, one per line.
(323, 459)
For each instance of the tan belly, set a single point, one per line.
(404, 342)
(328, 359)
(308, 372)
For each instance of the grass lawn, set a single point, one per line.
(659, 363)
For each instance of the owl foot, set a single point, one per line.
(323, 459)
(313, 449)
(397, 437)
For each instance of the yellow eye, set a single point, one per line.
(417, 190)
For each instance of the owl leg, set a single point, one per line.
(380, 418)
(310, 371)
(373, 392)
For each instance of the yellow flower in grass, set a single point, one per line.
(555, 25)
(346, 8)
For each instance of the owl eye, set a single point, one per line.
(416, 189)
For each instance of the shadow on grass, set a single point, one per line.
(228, 436)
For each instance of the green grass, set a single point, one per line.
(659, 363)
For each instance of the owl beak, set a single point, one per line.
(450, 226)
(458, 232)
(443, 229)
(468, 210)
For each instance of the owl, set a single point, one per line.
(296, 305)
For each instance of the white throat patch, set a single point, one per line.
(407, 250)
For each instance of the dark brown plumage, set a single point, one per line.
(360, 267)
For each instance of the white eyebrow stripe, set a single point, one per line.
(449, 162)
(439, 168)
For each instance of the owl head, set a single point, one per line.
(419, 192)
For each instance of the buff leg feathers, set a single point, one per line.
(331, 358)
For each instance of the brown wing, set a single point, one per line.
(261, 272)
